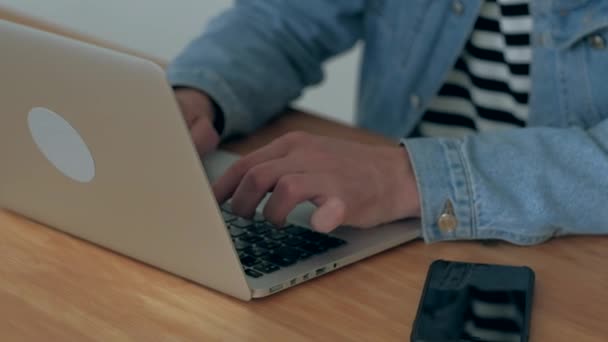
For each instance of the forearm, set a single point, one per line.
(524, 186)
(258, 56)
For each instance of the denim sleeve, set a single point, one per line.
(258, 56)
(524, 186)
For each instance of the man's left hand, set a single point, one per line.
(350, 183)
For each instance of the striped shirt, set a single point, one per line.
(488, 88)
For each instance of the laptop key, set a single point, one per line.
(259, 229)
(228, 217)
(256, 251)
(240, 244)
(294, 241)
(304, 255)
(294, 230)
(241, 223)
(236, 232)
(251, 238)
(253, 273)
(277, 235)
(332, 242)
(313, 236)
(277, 259)
(292, 253)
(266, 268)
(226, 207)
(280, 260)
(287, 251)
(268, 244)
(313, 248)
(258, 217)
(249, 261)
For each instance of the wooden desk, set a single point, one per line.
(57, 288)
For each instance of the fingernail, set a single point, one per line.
(329, 216)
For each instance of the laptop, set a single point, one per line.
(93, 144)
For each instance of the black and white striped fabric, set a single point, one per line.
(489, 86)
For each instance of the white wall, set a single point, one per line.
(161, 28)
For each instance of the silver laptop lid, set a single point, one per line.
(92, 144)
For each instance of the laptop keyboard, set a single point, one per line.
(264, 249)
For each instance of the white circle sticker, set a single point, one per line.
(61, 144)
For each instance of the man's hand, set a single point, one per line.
(350, 183)
(197, 109)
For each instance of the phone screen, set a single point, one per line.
(474, 302)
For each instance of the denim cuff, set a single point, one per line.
(445, 188)
(235, 118)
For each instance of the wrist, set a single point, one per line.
(405, 191)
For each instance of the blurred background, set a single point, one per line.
(161, 28)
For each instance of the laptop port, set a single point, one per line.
(276, 288)
(320, 271)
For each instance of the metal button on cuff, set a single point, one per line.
(457, 7)
(447, 221)
(597, 42)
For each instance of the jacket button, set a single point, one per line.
(597, 42)
(457, 7)
(447, 221)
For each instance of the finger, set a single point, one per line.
(261, 179)
(204, 136)
(292, 190)
(193, 104)
(225, 186)
(330, 214)
(189, 117)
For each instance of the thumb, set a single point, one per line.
(204, 136)
(329, 215)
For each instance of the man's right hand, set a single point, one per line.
(197, 109)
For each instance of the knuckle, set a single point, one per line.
(241, 166)
(256, 179)
(315, 156)
(289, 188)
(295, 136)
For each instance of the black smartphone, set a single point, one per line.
(474, 302)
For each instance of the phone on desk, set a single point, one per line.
(474, 302)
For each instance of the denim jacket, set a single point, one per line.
(523, 185)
